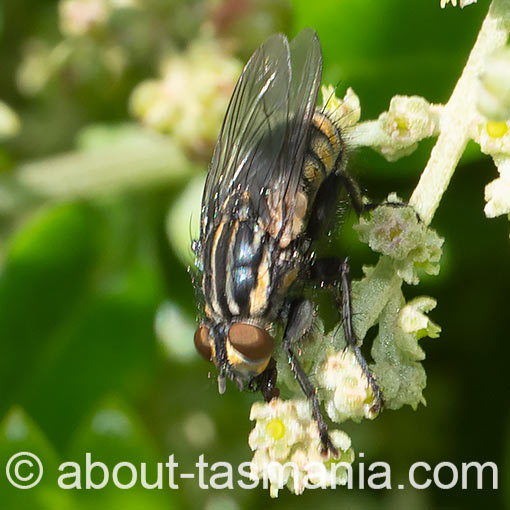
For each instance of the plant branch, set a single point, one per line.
(452, 140)
(458, 114)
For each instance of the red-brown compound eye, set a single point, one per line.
(251, 341)
(203, 343)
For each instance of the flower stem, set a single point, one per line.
(458, 114)
(452, 140)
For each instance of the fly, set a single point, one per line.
(271, 193)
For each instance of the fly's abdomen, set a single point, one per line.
(325, 147)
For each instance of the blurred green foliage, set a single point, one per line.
(83, 274)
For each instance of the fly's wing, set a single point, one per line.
(306, 64)
(253, 132)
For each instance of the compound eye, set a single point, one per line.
(203, 343)
(251, 341)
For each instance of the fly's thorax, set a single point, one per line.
(238, 269)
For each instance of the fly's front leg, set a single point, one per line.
(334, 272)
(356, 196)
(298, 324)
(354, 191)
(266, 382)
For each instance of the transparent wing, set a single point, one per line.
(306, 64)
(279, 206)
(264, 136)
(251, 138)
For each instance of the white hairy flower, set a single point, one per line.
(408, 120)
(288, 448)
(497, 193)
(462, 3)
(412, 318)
(347, 393)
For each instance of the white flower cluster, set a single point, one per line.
(285, 432)
(497, 192)
(462, 3)
(412, 318)
(407, 121)
(190, 98)
(491, 129)
(345, 388)
(345, 112)
(395, 133)
(81, 17)
(397, 232)
(494, 86)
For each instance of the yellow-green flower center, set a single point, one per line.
(275, 428)
(402, 125)
(496, 129)
(395, 231)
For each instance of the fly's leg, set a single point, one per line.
(356, 197)
(298, 324)
(353, 189)
(350, 335)
(266, 382)
(335, 273)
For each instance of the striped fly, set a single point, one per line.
(272, 190)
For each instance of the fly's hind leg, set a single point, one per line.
(334, 272)
(298, 324)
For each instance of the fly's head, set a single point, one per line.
(240, 350)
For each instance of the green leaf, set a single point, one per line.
(397, 357)
(109, 345)
(49, 265)
(18, 433)
(113, 434)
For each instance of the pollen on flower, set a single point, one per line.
(492, 136)
(275, 428)
(496, 129)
